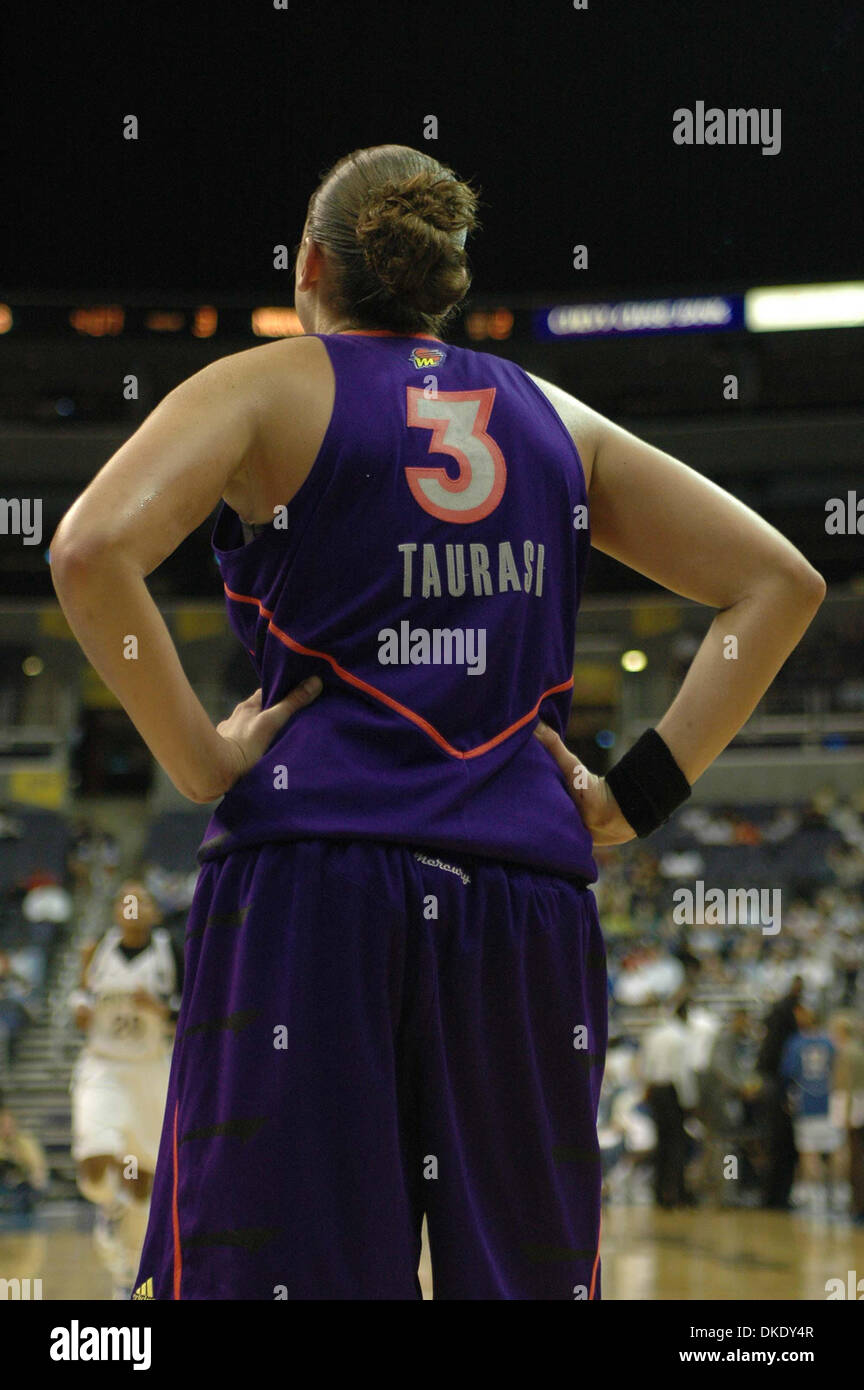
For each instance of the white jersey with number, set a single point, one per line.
(120, 1028)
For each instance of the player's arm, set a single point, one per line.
(88, 951)
(583, 424)
(81, 1000)
(160, 486)
(666, 521)
(661, 518)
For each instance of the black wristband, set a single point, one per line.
(647, 783)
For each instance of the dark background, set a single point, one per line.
(564, 117)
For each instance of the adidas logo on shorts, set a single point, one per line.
(144, 1290)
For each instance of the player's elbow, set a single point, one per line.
(808, 583)
(793, 578)
(200, 795)
(77, 558)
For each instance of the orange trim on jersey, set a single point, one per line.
(384, 333)
(175, 1217)
(388, 699)
(596, 1261)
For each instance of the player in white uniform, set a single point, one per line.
(128, 995)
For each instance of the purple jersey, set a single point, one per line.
(429, 570)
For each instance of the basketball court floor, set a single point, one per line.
(648, 1255)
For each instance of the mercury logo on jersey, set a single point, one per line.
(422, 357)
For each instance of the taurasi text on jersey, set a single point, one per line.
(474, 563)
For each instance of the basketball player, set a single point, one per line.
(128, 994)
(807, 1066)
(396, 998)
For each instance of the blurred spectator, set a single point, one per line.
(91, 850)
(15, 991)
(815, 855)
(23, 1170)
(11, 828)
(774, 1112)
(627, 1134)
(728, 1079)
(848, 1101)
(818, 809)
(785, 822)
(648, 975)
(780, 1025)
(776, 1122)
(682, 864)
(703, 1025)
(172, 891)
(47, 903)
(744, 832)
(806, 1066)
(670, 1093)
(707, 826)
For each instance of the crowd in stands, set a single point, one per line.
(36, 859)
(735, 1073)
(23, 1166)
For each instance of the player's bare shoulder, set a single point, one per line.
(584, 425)
(292, 386)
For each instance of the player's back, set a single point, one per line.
(429, 570)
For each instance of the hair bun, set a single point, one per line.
(408, 231)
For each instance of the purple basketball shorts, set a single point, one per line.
(370, 1033)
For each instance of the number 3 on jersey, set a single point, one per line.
(458, 421)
